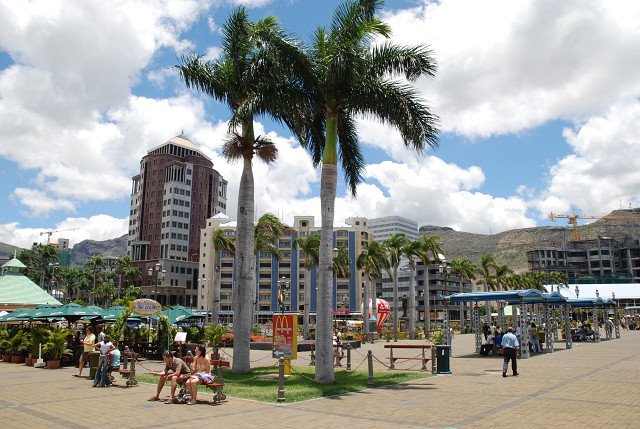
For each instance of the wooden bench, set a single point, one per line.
(217, 385)
(423, 358)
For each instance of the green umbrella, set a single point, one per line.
(179, 314)
(73, 312)
(42, 311)
(111, 314)
(19, 315)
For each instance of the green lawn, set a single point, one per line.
(301, 385)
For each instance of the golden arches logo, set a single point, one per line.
(281, 321)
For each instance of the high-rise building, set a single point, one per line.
(270, 272)
(175, 193)
(384, 227)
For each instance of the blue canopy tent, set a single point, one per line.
(542, 302)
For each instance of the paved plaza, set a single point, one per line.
(590, 386)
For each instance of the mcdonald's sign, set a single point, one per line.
(285, 336)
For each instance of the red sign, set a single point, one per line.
(285, 335)
(341, 312)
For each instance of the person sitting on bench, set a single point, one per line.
(488, 346)
(201, 368)
(114, 363)
(175, 370)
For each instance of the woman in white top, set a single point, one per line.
(201, 370)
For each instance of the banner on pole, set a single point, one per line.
(285, 336)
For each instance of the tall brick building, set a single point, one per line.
(176, 191)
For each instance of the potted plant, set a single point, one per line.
(4, 344)
(56, 347)
(36, 337)
(215, 336)
(17, 347)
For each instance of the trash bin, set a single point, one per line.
(373, 325)
(94, 358)
(443, 352)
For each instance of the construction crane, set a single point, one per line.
(573, 220)
(51, 232)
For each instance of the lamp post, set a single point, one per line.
(597, 294)
(577, 290)
(282, 287)
(159, 277)
(444, 271)
(613, 295)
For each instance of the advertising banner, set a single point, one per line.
(285, 336)
(145, 307)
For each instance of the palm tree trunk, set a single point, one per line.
(328, 184)
(427, 303)
(412, 303)
(365, 304)
(307, 302)
(395, 298)
(324, 345)
(215, 308)
(461, 306)
(244, 291)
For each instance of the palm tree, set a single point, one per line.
(96, 264)
(487, 264)
(220, 242)
(45, 255)
(353, 78)
(254, 72)
(412, 250)
(502, 272)
(465, 269)
(122, 266)
(430, 249)
(372, 261)
(394, 245)
(309, 246)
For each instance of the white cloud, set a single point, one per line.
(99, 227)
(602, 173)
(506, 66)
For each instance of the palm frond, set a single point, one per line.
(410, 61)
(351, 157)
(265, 150)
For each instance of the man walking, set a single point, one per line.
(511, 346)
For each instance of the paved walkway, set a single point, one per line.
(592, 385)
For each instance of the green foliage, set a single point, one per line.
(166, 333)
(37, 336)
(118, 327)
(436, 336)
(17, 343)
(56, 346)
(195, 334)
(214, 334)
(4, 340)
(257, 330)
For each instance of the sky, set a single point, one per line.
(538, 103)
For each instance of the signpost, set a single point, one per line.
(285, 338)
(146, 307)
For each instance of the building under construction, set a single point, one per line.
(601, 260)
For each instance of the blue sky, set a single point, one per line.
(538, 103)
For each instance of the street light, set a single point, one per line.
(160, 275)
(444, 271)
(597, 294)
(577, 290)
(613, 295)
(282, 287)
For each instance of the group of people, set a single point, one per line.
(493, 335)
(108, 361)
(178, 371)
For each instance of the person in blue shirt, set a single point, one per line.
(511, 346)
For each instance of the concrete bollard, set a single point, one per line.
(313, 356)
(280, 380)
(370, 364)
(348, 347)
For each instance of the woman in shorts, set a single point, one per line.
(201, 370)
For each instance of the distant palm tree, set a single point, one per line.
(487, 265)
(502, 272)
(254, 77)
(431, 251)
(412, 250)
(309, 246)
(351, 78)
(394, 246)
(371, 261)
(97, 264)
(465, 269)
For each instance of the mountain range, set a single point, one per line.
(507, 247)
